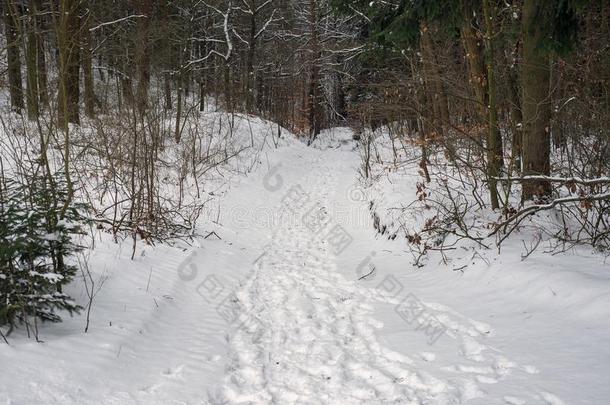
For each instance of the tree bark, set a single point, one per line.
(313, 88)
(180, 92)
(201, 94)
(494, 139)
(473, 46)
(32, 65)
(43, 92)
(11, 26)
(436, 90)
(250, 80)
(143, 7)
(536, 103)
(167, 90)
(88, 71)
(439, 94)
(69, 62)
(515, 109)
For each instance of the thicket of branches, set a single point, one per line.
(506, 101)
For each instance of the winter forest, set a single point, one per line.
(304, 202)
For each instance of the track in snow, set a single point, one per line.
(308, 335)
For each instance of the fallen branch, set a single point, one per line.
(564, 180)
(212, 233)
(368, 274)
(533, 209)
(3, 337)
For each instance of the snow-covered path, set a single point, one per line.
(298, 301)
(309, 334)
(308, 331)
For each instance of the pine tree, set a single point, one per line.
(35, 241)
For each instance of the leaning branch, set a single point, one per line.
(117, 21)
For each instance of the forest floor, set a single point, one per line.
(294, 299)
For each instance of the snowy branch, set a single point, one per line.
(576, 180)
(117, 21)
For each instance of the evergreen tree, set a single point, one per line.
(35, 241)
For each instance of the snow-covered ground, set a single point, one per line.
(295, 299)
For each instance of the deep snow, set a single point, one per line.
(282, 309)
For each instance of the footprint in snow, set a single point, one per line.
(551, 399)
(531, 369)
(472, 350)
(513, 401)
(428, 356)
(486, 380)
(172, 373)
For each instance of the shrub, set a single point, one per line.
(38, 228)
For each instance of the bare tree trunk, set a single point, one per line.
(536, 103)
(43, 92)
(186, 72)
(201, 94)
(313, 91)
(515, 109)
(420, 94)
(227, 86)
(32, 65)
(88, 70)
(127, 91)
(167, 90)
(313, 110)
(435, 87)
(250, 80)
(473, 45)
(11, 26)
(69, 62)
(440, 95)
(494, 139)
(180, 91)
(143, 7)
(202, 49)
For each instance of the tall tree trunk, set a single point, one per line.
(420, 95)
(515, 108)
(473, 46)
(250, 80)
(536, 103)
(227, 86)
(43, 92)
(127, 91)
(165, 45)
(186, 72)
(494, 138)
(439, 92)
(435, 87)
(202, 89)
(143, 7)
(180, 92)
(32, 64)
(313, 109)
(11, 26)
(88, 70)
(167, 90)
(125, 78)
(69, 62)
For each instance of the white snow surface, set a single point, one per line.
(275, 312)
